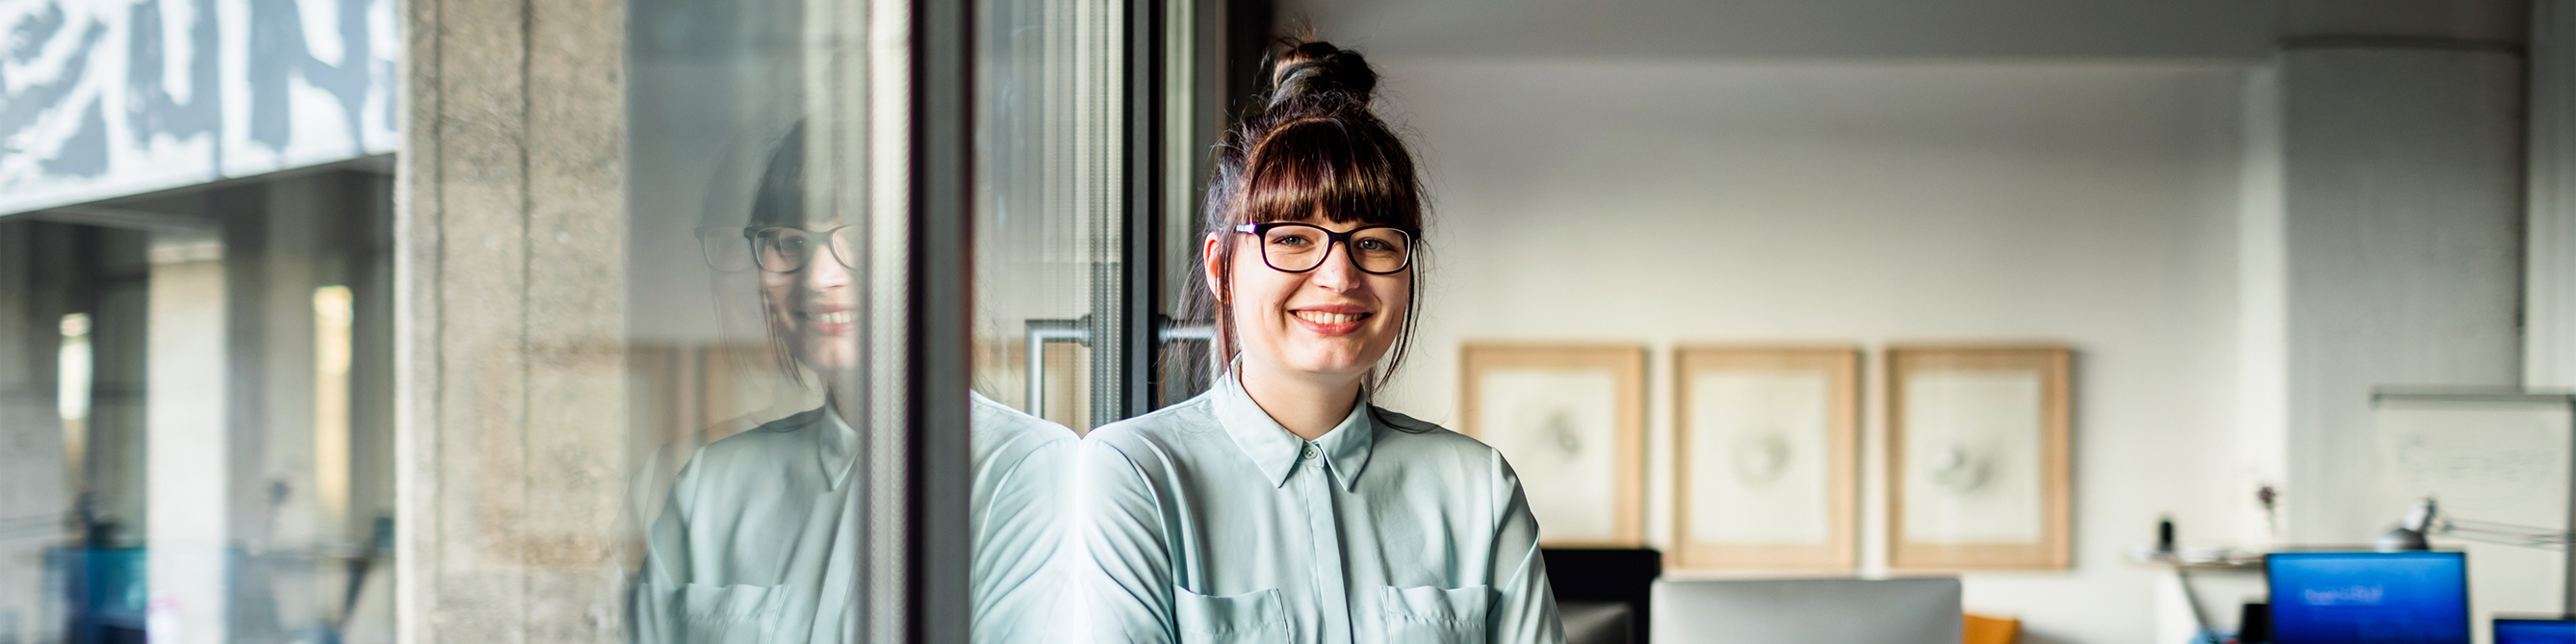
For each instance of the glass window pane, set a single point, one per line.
(766, 319)
(1050, 212)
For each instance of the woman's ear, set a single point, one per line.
(1215, 267)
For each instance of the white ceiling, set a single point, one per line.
(2226, 29)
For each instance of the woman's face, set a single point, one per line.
(1335, 320)
(814, 308)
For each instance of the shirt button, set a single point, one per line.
(1310, 452)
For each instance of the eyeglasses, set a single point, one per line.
(1297, 248)
(779, 249)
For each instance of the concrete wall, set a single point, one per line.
(510, 270)
(1671, 203)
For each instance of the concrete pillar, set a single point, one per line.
(510, 286)
(2382, 235)
(34, 499)
(190, 488)
(235, 515)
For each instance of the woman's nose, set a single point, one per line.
(1338, 272)
(826, 272)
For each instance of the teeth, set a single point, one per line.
(842, 317)
(1320, 317)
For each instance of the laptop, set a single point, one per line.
(2368, 597)
(2535, 630)
(1808, 611)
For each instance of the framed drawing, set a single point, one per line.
(1766, 457)
(1977, 454)
(1571, 420)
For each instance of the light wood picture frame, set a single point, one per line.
(1978, 446)
(1571, 420)
(1766, 458)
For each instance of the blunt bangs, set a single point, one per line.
(1350, 175)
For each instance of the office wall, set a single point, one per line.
(1871, 203)
(2402, 212)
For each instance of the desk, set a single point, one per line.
(2193, 597)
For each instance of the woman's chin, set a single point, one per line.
(1341, 365)
(830, 368)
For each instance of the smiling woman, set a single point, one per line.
(1281, 506)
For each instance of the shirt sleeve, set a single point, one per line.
(1125, 575)
(654, 615)
(1526, 610)
(1019, 547)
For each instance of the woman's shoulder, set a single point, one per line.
(1396, 428)
(762, 444)
(1185, 418)
(998, 429)
(1405, 439)
(761, 453)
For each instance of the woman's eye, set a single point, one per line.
(1375, 245)
(1291, 240)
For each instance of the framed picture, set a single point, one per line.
(1766, 457)
(1977, 454)
(1571, 420)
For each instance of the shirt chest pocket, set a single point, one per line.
(1250, 618)
(1434, 614)
(730, 614)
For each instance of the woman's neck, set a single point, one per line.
(1307, 404)
(834, 392)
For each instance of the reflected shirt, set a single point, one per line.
(1209, 522)
(753, 541)
(1022, 465)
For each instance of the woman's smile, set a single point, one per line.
(835, 320)
(1331, 320)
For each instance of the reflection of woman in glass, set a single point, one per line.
(1281, 506)
(756, 543)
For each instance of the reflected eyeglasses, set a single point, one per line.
(1297, 248)
(778, 249)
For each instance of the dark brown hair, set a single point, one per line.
(779, 200)
(1313, 147)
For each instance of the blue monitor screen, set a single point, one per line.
(2369, 597)
(2535, 631)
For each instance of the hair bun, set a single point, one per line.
(1319, 69)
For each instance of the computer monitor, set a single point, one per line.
(2535, 630)
(1769, 611)
(2368, 597)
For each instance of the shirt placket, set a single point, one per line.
(1314, 487)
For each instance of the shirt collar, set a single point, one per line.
(834, 443)
(1345, 449)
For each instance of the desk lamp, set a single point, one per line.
(2426, 520)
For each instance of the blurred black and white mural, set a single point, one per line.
(102, 98)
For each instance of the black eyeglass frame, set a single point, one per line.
(1331, 238)
(751, 235)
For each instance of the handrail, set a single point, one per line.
(1042, 332)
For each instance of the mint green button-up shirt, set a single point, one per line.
(755, 547)
(1208, 522)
